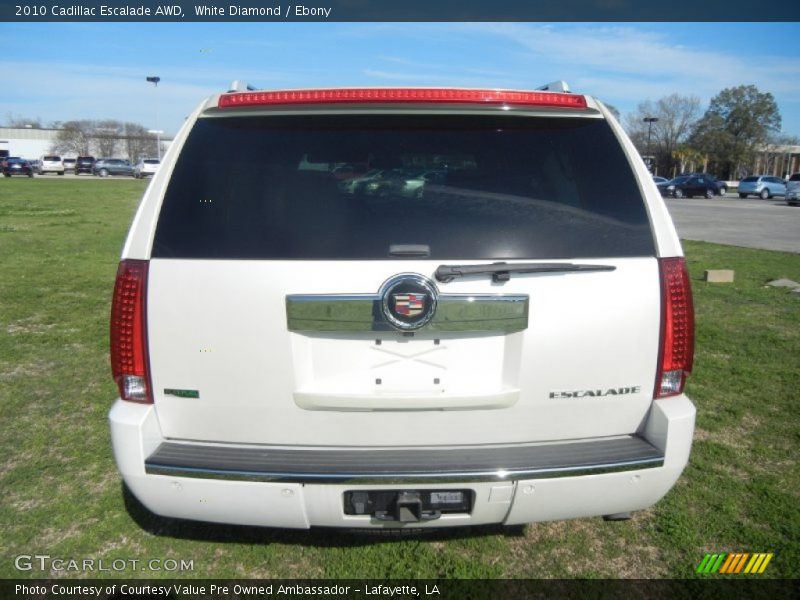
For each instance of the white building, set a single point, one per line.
(31, 143)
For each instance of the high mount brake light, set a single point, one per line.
(676, 354)
(129, 359)
(402, 96)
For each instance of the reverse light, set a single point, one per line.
(403, 95)
(129, 359)
(676, 355)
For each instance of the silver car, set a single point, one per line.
(793, 190)
(763, 186)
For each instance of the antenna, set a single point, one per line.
(555, 86)
(238, 85)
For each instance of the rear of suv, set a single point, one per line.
(51, 163)
(509, 343)
(793, 190)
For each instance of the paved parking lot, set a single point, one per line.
(752, 223)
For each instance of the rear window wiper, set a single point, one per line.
(501, 271)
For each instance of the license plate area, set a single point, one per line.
(407, 506)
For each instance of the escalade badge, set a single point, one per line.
(408, 301)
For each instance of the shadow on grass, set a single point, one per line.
(320, 536)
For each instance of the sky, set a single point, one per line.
(66, 71)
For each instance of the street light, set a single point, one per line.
(154, 79)
(157, 133)
(649, 121)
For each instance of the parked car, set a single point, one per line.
(69, 164)
(51, 163)
(763, 186)
(145, 167)
(688, 186)
(793, 190)
(84, 164)
(103, 167)
(510, 347)
(17, 166)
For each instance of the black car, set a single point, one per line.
(687, 186)
(722, 187)
(17, 166)
(84, 164)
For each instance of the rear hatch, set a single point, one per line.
(263, 257)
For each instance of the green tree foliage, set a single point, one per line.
(737, 121)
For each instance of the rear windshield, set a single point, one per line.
(352, 186)
(52, 158)
(150, 161)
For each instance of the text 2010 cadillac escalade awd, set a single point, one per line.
(376, 308)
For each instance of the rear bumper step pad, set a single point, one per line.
(393, 465)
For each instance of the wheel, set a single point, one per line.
(723, 191)
(742, 195)
(678, 193)
(103, 172)
(61, 173)
(7, 174)
(764, 195)
(709, 193)
(30, 174)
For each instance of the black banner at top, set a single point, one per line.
(396, 10)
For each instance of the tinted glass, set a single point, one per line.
(749, 179)
(52, 158)
(498, 187)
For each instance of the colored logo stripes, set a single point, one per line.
(735, 563)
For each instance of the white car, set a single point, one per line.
(145, 167)
(511, 346)
(50, 163)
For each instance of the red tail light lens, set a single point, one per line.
(402, 95)
(677, 328)
(129, 360)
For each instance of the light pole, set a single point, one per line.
(649, 121)
(154, 79)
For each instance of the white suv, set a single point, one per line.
(507, 344)
(51, 163)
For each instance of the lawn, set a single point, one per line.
(60, 493)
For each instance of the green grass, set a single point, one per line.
(60, 493)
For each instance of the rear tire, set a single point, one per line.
(742, 195)
(103, 172)
(723, 191)
(764, 195)
(709, 193)
(678, 193)
(61, 173)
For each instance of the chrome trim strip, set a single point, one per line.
(504, 313)
(403, 478)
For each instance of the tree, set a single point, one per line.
(737, 121)
(106, 135)
(138, 142)
(17, 121)
(676, 116)
(74, 138)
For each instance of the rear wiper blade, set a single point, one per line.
(501, 271)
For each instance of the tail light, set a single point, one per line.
(403, 95)
(677, 328)
(129, 360)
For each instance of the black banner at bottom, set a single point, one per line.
(432, 589)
